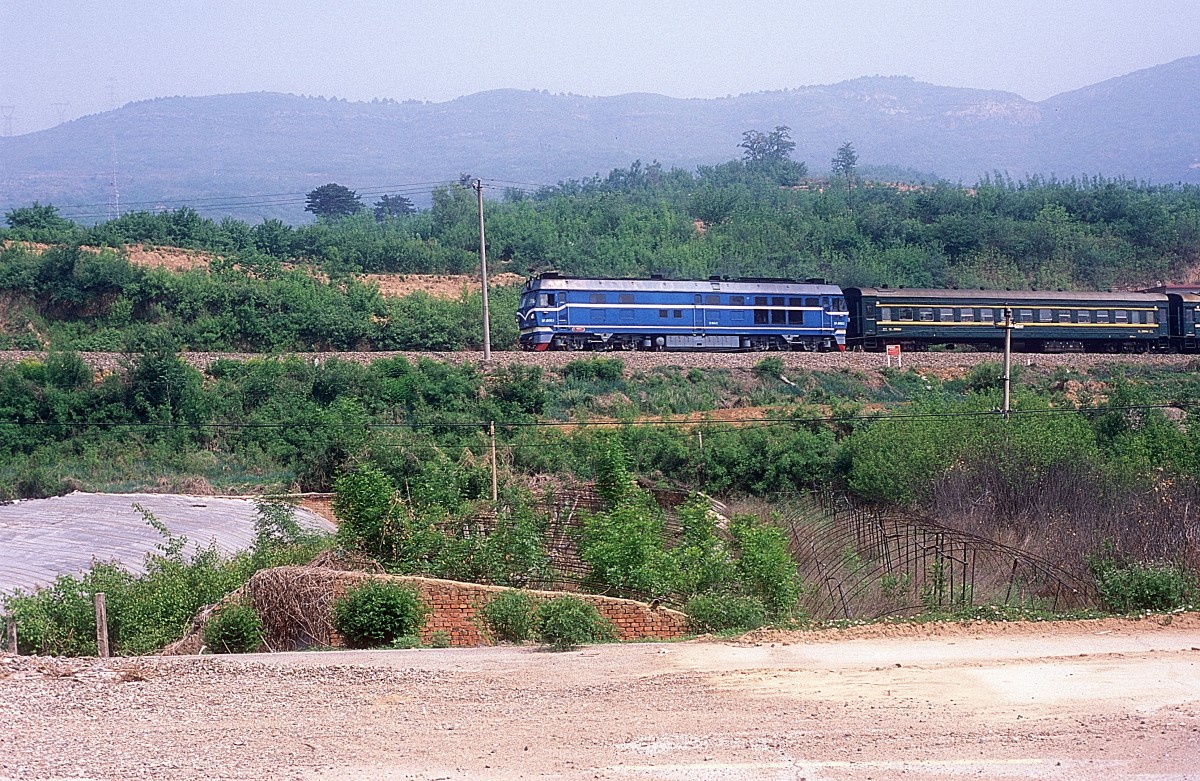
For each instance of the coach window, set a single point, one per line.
(737, 301)
(625, 298)
(596, 298)
(1150, 316)
(946, 315)
(966, 314)
(1083, 316)
(925, 315)
(795, 315)
(1135, 316)
(904, 313)
(1026, 315)
(885, 312)
(987, 314)
(1045, 316)
(712, 300)
(1120, 316)
(1064, 316)
(1101, 315)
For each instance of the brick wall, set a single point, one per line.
(454, 608)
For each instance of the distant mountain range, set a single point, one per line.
(208, 152)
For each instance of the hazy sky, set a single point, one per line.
(73, 57)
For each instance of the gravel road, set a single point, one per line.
(1082, 700)
(644, 361)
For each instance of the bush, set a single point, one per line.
(439, 639)
(235, 629)
(1130, 586)
(566, 622)
(766, 569)
(724, 612)
(509, 616)
(376, 613)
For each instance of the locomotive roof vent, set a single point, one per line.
(656, 276)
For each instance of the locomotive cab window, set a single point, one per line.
(839, 305)
(546, 299)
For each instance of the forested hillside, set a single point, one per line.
(275, 286)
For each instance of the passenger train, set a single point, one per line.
(724, 314)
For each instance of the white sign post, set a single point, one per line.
(894, 350)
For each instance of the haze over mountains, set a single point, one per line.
(178, 151)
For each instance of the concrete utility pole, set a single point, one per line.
(1009, 326)
(487, 328)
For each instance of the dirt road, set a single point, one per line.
(1084, 700)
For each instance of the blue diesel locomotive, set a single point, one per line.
(717, 314)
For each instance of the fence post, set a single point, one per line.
(101, 626)
(11, 621)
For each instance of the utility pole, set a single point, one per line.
(492, 434)
(487, 329)
(1009, 326)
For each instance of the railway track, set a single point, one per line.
(644, 361)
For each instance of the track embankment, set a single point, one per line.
(645, 361)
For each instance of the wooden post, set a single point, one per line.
(101, 626)
(12, 635)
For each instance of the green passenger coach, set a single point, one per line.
(1046, 321)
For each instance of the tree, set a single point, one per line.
(393, 206)
(39, 223)
(844, 163)
(332, 200)
(767, 147)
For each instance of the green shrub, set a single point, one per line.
(509, 616)
(377, 612)
(439, 639)
(406, 642)
(566, 622)
(724, 612)
(771, 367)
(1129, 586)
(765, 567)
(235, 629)
(594, 370)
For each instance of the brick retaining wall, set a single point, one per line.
(454, 607)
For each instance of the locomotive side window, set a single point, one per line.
(625, 298)
(597, 298)
(679, 313)
(926, 315)
(811, 302)
(699, 299)
(966, 314)
(794, 316)
(712, 300)
(839, 305)
(737, 300)
(1083, 316)
(662, 313)
(546, 299)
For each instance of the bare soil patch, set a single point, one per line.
(1081, 700)
(446, 286)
